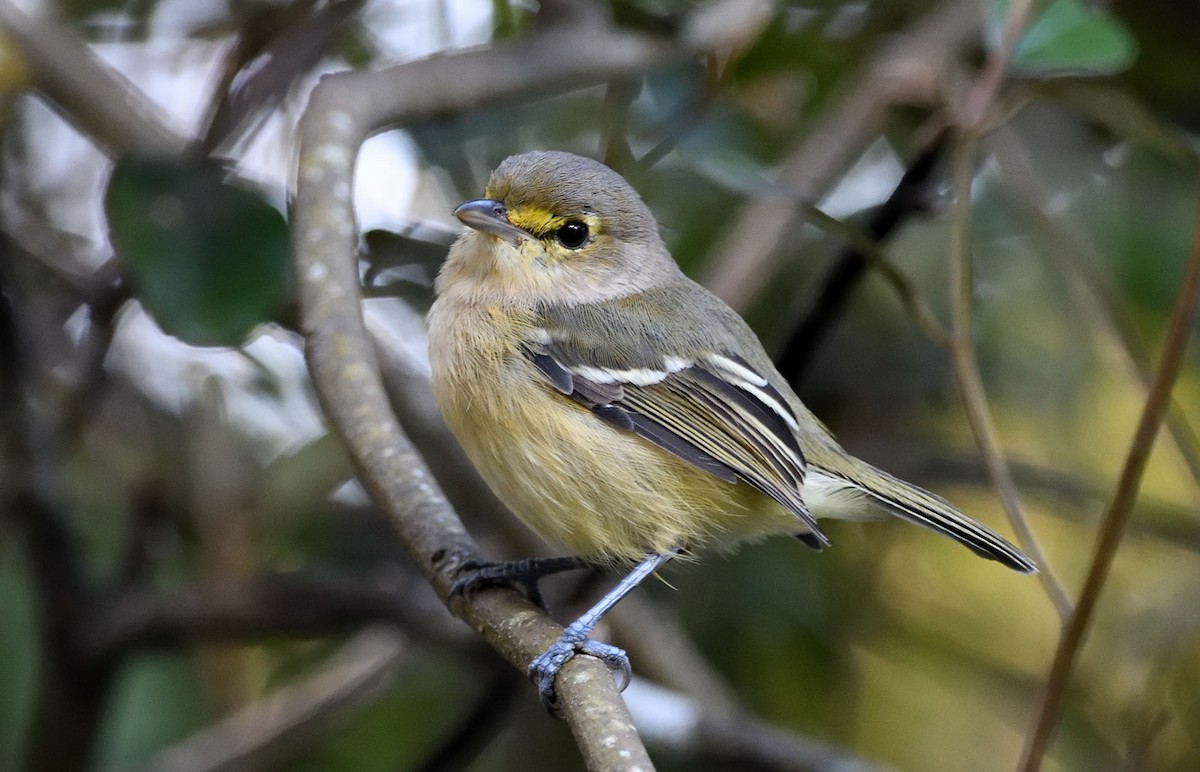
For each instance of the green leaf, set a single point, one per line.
(209, 259)
(1067, 37)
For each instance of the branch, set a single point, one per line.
(275, 47)
(259, 607)
(342, 111)
(88, 92)
(706, 738)
(973, 112)
(269, 732)
(908, 70)
(1116, 517)
(970, 384)
(1078, 259)
(910, 197)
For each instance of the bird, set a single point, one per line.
(622, 411)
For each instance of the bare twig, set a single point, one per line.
(706, 738)
(269, 731)
(995, 68)
(1077, 258)
(116, 114)
(910, 197)
(257, 607)
(970, 384)
(342, 110)
(277, 46)
(1112, 527)
(909, 70)
(962, 351)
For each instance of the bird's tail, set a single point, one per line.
(924, 508)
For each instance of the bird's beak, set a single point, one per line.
(488, 216)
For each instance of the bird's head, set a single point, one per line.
(558, 226)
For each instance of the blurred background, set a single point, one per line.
(190, 577)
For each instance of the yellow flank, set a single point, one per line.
(577, 482)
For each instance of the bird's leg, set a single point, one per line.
(523, 574)
(575, 638)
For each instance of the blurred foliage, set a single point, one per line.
(183, 462)
(1067, 36)
(209, 260)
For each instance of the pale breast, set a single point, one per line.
(575, 480)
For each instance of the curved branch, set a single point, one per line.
(342, 111)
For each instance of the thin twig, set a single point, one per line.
(995, 68)
(1078, 259)
(910, 196)
(909, 70)
(275, 48)
(116, 114)
(1112, 527)
(970, 384)
(962, 351)
(273, 730)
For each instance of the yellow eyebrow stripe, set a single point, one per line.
(534, 219)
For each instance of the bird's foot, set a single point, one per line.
(544, 668)
(523, 574)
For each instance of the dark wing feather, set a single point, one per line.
(559, 376)
(727, 422)
(665, 439)
(716, 425)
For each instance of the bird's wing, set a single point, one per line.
(711, 410)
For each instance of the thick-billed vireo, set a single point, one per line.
(621, 410)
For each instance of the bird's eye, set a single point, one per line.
(572, 235)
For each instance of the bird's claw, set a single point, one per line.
(476, 575)
(544, 668)
(524, 575)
